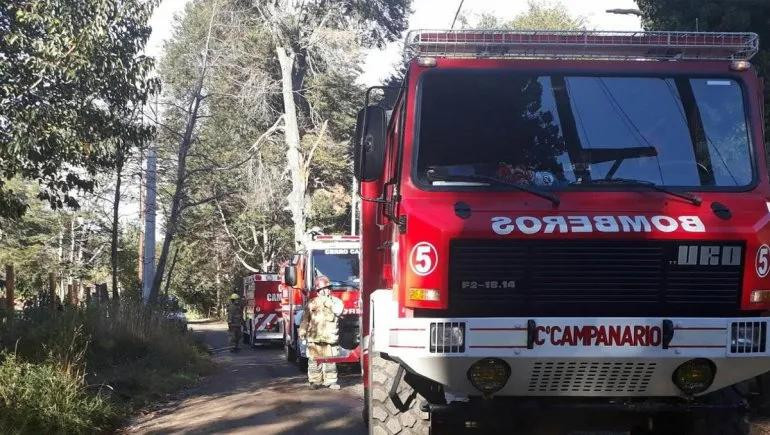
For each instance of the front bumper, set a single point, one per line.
(599, 357)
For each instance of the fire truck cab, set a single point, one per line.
(262, 309)
(571, 219)
(335, 257)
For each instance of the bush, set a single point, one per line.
(47, 398)
(103, 361)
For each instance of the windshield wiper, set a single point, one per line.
(437, 174)
(633, 182)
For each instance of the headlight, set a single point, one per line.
(447, 337)
(694, 376)
(489, 375)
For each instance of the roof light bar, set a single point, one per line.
(581, 44)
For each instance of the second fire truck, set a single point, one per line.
(335, 257)
(262, 309)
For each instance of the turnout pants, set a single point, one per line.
(323, 373)
(235, 336)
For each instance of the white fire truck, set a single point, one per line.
(262, 308)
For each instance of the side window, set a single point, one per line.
(391, 156)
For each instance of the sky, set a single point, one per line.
(429, 14)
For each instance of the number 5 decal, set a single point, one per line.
(423, 259)
(763, 262)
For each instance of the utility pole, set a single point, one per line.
(140, 268)
(149, 226)
(353, 206)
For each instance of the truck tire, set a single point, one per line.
(291, 355)
(722, 423)
(760, 399)
(729, 422)
(385, 418)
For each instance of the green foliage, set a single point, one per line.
(30, 242)
(46, 398)
(714, 16)
(71, 82)
(77, 370)
(540, 15)
(240, 145)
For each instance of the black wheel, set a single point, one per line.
(760, 399)
(728, 422)
(385, 417)
(302, 364)
(291, 355)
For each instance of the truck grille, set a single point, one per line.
(590, 377)
(594, 278)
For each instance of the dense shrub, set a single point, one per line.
(44, 398)
(76, 370)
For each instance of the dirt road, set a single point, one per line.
(256, 392)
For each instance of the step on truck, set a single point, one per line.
(335, 257)
(575, 220)
(262, 309)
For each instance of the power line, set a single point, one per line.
(460, 6)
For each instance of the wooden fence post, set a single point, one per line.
(52, 290)
(10, 285)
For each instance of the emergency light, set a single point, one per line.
(730, 46)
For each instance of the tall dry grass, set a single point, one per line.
(80, 369)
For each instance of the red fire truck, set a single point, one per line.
(262, 309)
(568, 219)
(337, 258)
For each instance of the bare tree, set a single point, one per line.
(186, 140)
(306, 37)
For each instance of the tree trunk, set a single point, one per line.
(115, 226)
(293, 155)
(72, 252)
(179, 193)
(62, 282)
(177, 201)
(10, 286)
(140, 266)
(170, 272)
(52, 290)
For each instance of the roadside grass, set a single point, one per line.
(82, 370)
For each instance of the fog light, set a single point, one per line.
(489, 375)
(694, 376)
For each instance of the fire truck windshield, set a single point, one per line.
(339, 265)
(554, 131)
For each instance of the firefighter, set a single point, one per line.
(320, 329)
(235, 321)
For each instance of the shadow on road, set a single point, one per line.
(257, 391)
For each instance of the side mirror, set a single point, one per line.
(290, 276)
(369, 145)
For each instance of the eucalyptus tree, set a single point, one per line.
(310, 38)
(71, 76)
